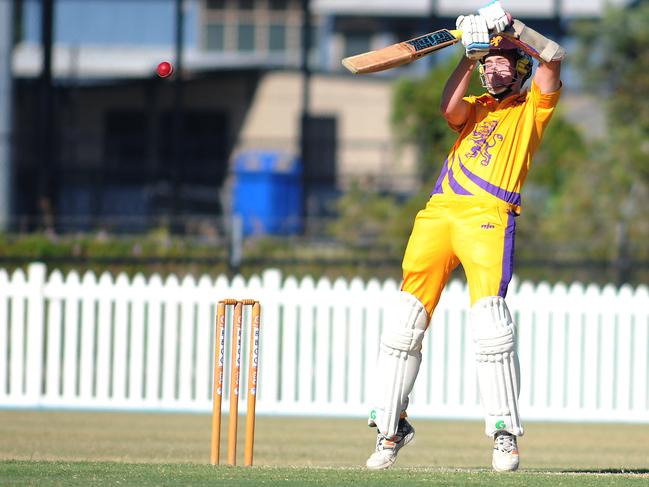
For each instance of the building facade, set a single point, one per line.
(127, 146)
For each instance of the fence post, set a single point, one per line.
(269, 346)
(36, 275)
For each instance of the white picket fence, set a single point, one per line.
(113, 343)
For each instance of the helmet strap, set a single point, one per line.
(503, 94)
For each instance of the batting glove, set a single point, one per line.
(475, 35)
(496, 17)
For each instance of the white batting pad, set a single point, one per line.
(398, 361)
(497, 366)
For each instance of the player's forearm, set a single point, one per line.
(548, 52)
(548, 76)
(452, 106)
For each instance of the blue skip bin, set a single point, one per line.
(268, 192)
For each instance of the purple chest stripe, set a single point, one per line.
(503, 194)
(438, 185)
(455, 186)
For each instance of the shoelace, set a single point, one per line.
(506, 443)
(383, 442)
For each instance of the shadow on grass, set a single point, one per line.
(613, 471)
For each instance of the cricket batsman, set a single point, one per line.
(470, 219)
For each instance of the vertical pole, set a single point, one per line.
(234, 384)
(236, 244)
(306, 96)
(217, 393)
(45, 192)
(622, 263)
(6, 113)
(432, 17)
(177, 125)
(306, 49)
(558, 5)
(253, 367)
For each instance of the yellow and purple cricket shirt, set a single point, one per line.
(469, 218)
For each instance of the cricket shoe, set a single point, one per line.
(505, 454)
(387, 448)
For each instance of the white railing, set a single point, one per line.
(113, 343)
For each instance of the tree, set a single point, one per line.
(613, 59)
(614, 63)
(416, 118)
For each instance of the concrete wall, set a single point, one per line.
(367, 150)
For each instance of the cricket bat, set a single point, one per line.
(401, 53)
(520, 35)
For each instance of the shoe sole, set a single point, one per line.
(503, 470)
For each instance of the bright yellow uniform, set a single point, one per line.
(469, 218)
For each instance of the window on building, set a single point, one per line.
(276, 37)
(216, 4)
(204, 145)
(320, 150)
(245, 4)
(357, 42)
(125, 145)
(278, 4)
(246, 37)
(215, 37)
(246, 26)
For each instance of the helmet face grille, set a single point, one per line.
(524, 63)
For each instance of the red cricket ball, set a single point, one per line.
(165, 69)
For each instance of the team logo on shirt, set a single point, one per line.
(487, 226)
(481, 146)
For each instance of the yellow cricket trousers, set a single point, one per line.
(452, 229)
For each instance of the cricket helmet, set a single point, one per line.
(503, 46)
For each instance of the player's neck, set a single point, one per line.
(503, 95)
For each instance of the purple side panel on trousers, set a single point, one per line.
(508, 254)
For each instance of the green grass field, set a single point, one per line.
(81, 448)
